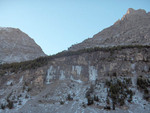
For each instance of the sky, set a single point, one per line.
(55, 25)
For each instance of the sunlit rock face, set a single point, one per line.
(132, 29)
(16, 46)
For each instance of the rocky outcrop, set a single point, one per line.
(132, 29)
(74, 81)
(98, 65)
(17, 46)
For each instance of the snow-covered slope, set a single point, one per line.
(116, 81)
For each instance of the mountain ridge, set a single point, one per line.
(129, 30)
(17, 46)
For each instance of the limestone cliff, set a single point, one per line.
(95, 80)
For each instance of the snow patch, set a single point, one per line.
(9, 82)
(77, 69)
(62, 76)
(146, 68)
(134, 78)
(79, 81)
(133, 66)
(92, 73)
(21, 80)
(138, 97)
(130, 111)
(50, 74)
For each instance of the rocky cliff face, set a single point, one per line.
(97, 80)
(98, 65)
(132, 29)
(17, 46)
(87, 82)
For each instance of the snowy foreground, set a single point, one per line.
(54, 99)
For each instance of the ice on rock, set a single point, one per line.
(21, 80)
(62, 76)
(49, 75)
(79, 81)
(77, 69)
(92, 73)
(133, 66)
(9, 82)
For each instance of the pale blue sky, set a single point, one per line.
(57, 24)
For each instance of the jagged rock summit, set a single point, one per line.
(132, 29)
(16, 46)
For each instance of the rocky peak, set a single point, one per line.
(17, 46)
(133, 14)
(132, 29)
(132, 11)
